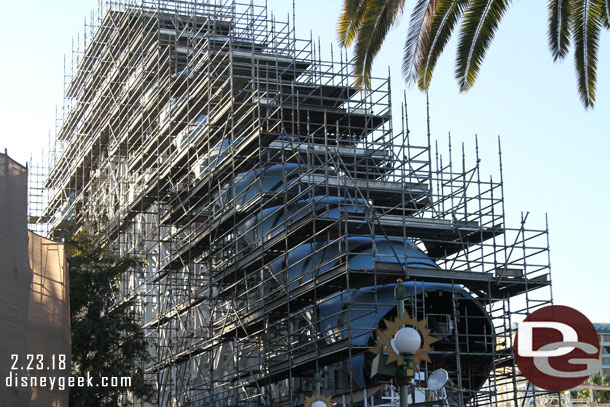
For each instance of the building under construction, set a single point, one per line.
(275, 206)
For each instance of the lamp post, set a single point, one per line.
(405, 343)
(317, 378)
(317, 399)
(399, 347)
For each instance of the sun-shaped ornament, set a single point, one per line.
(384, 343)
(319, 399)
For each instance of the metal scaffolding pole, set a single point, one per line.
(274, 205)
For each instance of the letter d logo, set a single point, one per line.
(556, 348)
(526, 339)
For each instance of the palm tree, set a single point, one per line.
(366, 23)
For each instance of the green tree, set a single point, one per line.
(600, 396)
(366, 23)
(106, 338)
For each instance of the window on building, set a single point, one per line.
(606, 350)
(605, 372)
(606, 361)
(606, 338)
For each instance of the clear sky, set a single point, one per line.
(555, 154)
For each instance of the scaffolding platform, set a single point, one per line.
(274, 205)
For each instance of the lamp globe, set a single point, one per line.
(406, 340)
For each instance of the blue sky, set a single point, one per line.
(555, 154)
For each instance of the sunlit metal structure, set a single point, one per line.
(275, 205)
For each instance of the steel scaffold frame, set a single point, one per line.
(274, 204)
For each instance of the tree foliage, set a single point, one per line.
(106, 338)
(599, 396)
(366, 23)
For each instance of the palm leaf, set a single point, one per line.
(479, 25)
(559, 27)
(446, 16)
(378, 18)
(587, 21)
(350, 21)
(606, 13)
(418, 37)
(393, 9)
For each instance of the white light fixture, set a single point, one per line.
(318, 403)
(406, 340)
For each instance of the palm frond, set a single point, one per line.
(587, 21)
(559, 27)
(378, 18)
(448, 12)
(606, 14)
(418, 37)
(350, 21)
(393, 9)
(479, 25)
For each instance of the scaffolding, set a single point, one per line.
(275, 206)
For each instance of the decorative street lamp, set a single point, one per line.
(406, 342)
(401, 347)
(318, 400)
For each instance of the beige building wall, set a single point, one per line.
(48, 330)
(15, 279)
(34, 300)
